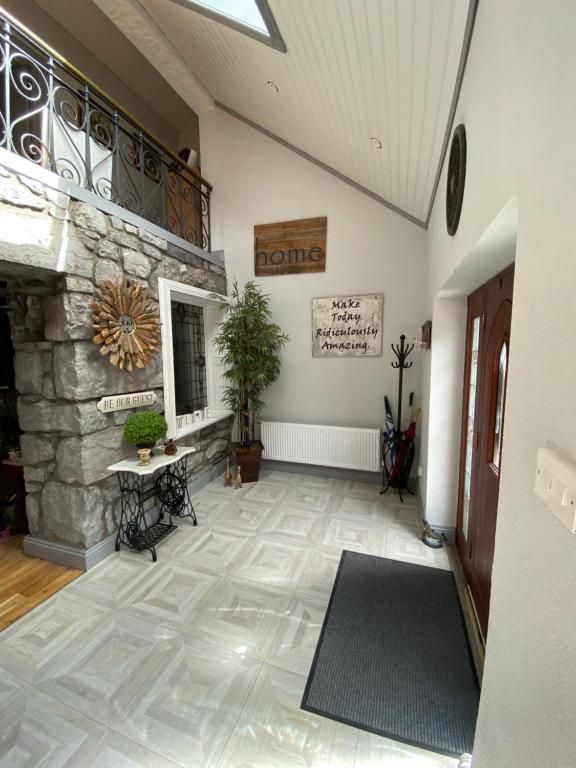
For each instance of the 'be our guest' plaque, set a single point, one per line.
(347, 326)
(123, 402)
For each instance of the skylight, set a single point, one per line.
(244, 11)
(252, 17)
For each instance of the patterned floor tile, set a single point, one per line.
(116, 751)
(369, 511)
(191, 704)
(171, 594)
(209, 515)
(317, 482)
(311, 499)
(274, 563)
(99, 674)
(294, 645)
(368, 491)
(270, 493)
(204, 504)
(168, 652)
(28, 646)
(407, 516)
(240, 616)
(408, 499)
(276, 476)
(377, 751)
(358, 537)
(109, 583)
(243, 516)
(40, 732)
(217, 489)
(408, 546)
(211, 547)
(273, 732)
(183, 533)
(320, 572)
(297, 525)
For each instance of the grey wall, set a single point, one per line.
(81, 33)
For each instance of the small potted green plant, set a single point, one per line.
(249, 343)
(143, 430)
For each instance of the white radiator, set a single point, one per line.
(347, 447)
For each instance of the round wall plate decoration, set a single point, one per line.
(126, 323)
(455, 179)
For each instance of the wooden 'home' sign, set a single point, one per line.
(290, 247)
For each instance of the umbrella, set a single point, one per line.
(389, 434)
(403, 451)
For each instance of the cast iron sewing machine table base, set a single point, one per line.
(171, 490)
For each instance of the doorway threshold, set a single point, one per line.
(477, 643)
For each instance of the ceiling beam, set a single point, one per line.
(472, 8)
(134, 21)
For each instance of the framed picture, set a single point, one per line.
(347, 326)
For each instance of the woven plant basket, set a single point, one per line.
(249, 461)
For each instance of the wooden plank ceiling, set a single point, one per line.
(354, 70)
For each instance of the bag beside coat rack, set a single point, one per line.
(398, 445)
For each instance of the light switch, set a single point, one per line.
(555, 484)
(546, 481)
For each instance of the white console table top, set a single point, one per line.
(157, 461)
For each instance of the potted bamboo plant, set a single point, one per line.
(249, 343)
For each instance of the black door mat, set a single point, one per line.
(393, 656)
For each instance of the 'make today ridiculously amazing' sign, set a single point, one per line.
(347, 326)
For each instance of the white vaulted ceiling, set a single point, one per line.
(354, 69)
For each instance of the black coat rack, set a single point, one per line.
(401, 351)
(398, 450)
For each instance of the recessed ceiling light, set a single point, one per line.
(272, 85)
(376, 142)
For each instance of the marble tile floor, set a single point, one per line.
(200, 660)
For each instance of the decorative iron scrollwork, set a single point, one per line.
(50, 116)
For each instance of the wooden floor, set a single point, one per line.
(27, 581)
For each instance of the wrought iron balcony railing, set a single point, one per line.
(53, 116)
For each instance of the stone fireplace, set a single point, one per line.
(53, 251)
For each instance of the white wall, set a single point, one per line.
(519, 106)
(444, 406)
(369, 250)
(442, 389)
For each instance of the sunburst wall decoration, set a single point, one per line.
(127, 324)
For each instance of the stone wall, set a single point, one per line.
(53, 250)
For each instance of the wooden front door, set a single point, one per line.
(487, 358)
